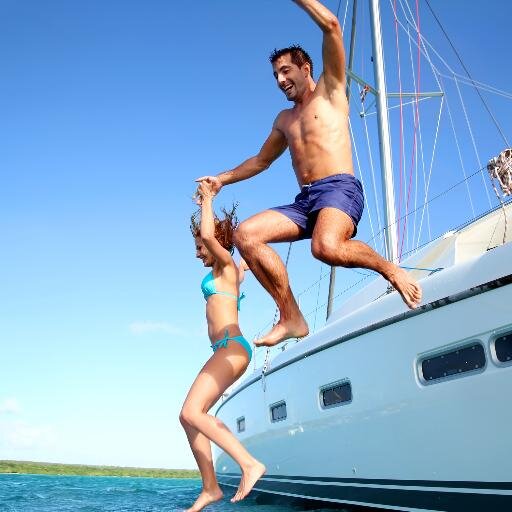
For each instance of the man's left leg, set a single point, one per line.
(331, 244)
(251, 239)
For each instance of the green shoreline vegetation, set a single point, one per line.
(51, 468)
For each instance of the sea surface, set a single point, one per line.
(45, 493)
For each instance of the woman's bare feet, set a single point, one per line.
(249, 477)
(205, 499)
(406, 286)
(284, 330)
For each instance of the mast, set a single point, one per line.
(384, 138)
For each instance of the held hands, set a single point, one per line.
(208, 187)
(204, 192)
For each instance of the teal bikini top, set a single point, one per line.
(208, 289)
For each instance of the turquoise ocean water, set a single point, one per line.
(42, 493)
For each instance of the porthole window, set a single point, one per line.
(454, 362)
(503, 348)
(240, 424)
(278, 412)
(335, 394)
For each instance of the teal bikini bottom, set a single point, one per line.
(239, 339)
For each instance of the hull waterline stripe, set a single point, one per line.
(309, 499)
(446, 500)
(452, 484)
(324, 500)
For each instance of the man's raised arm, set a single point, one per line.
(333, 51)
(273, 147)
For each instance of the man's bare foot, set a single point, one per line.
(205, 499)
(406, 286)
(283, 331)
(249, 477)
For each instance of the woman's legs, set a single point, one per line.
(202, 451)
(221, 370)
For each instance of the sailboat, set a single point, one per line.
(387, 407)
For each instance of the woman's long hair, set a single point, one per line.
(224, 228)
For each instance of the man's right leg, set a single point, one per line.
(251, 239)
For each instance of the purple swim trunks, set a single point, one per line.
(341, 191)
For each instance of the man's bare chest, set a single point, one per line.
(310, 122)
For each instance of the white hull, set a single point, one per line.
(402, 442)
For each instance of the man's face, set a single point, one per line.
(291, 79)
(202, 253)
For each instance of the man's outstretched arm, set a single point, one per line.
(273, 147)
(333, 51)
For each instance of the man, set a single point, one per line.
(330, 203)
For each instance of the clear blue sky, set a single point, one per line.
(109, 110)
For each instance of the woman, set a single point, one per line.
(231, 354)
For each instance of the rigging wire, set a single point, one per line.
(476, 84)
(356, 154)
(473, 140)
(402, 234)
(459, 152)
(438, 196)
(437, 77)
(317, 298)
(421, 152)
(422, 50)
(416, 124)
(366, 113)
(468, 73)
(427, 182)
(312, 285)
(401, 152)
(467, 222)
(453, 74)
(344, 16)
(424, 42)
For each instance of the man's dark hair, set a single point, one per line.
(298, 55)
